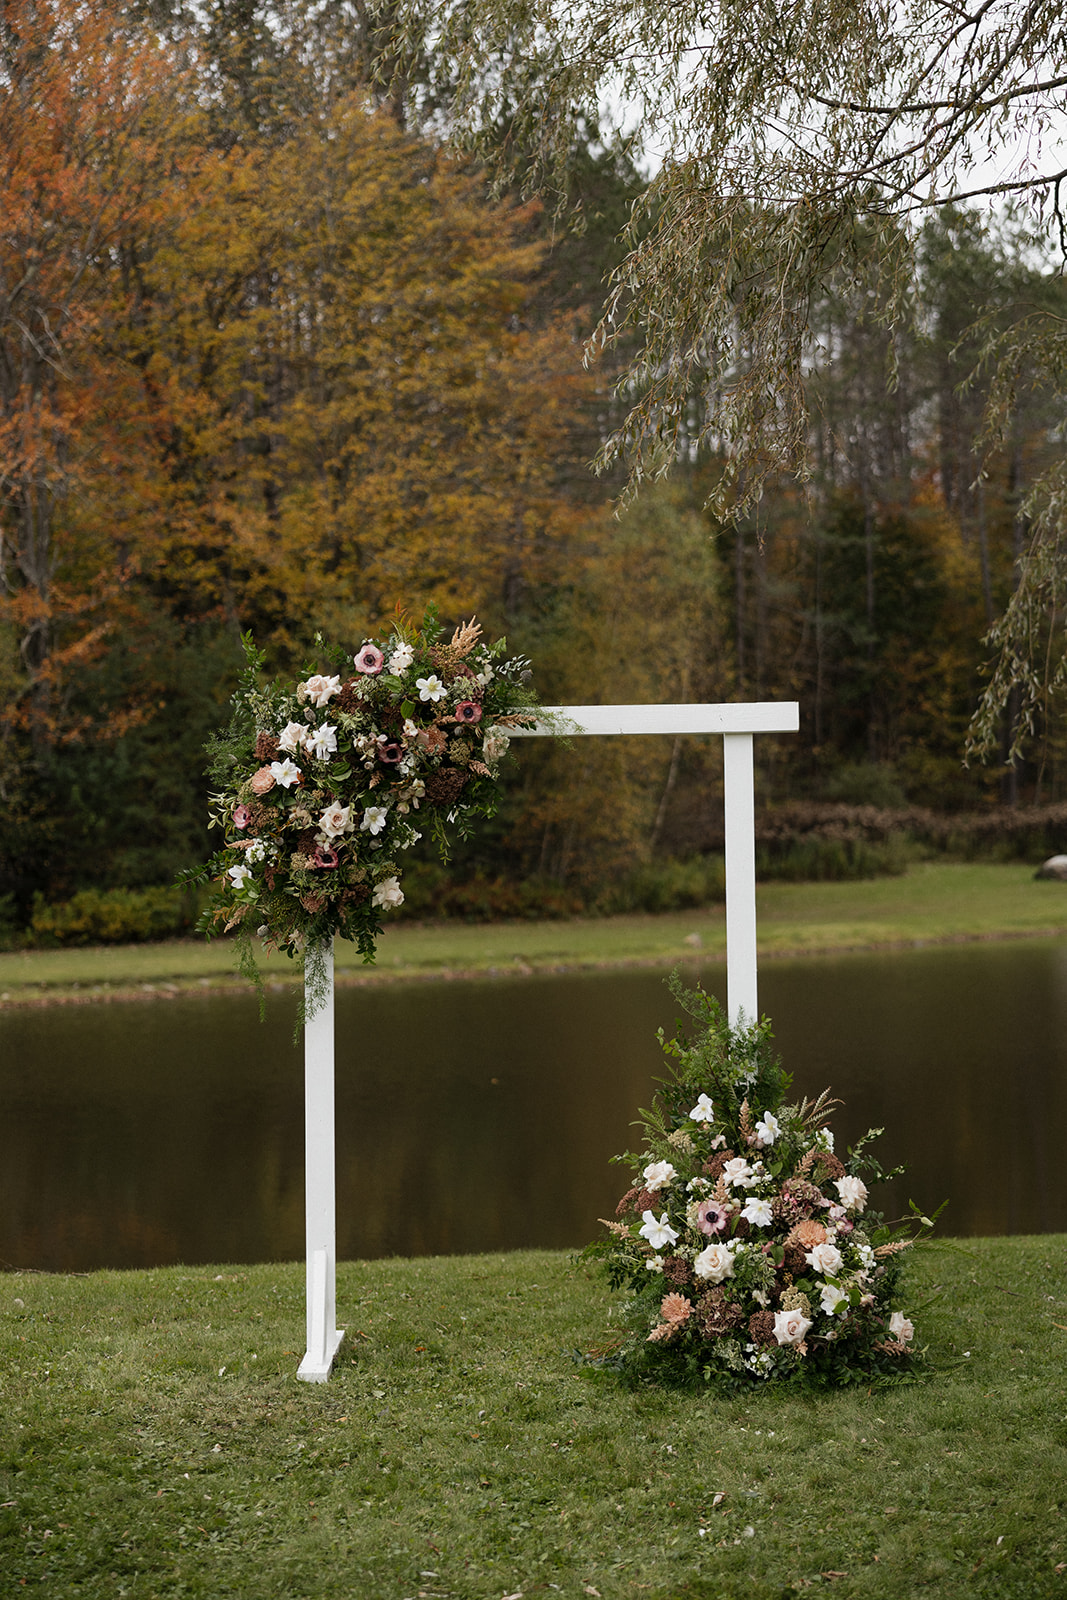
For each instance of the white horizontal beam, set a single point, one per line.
(761, 716)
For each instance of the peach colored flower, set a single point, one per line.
(262, 781)
(675, 1309)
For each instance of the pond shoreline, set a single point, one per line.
(376, 977)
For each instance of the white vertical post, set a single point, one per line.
(320, 1196)
(740, 879)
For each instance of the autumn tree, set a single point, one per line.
(358, 409)
(82, 126)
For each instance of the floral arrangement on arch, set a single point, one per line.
(322, 785)
(746, 1245)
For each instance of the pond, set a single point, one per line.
(482, 1115)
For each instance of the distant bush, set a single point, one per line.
(113, 916)
(833, 860)
(1023, 833)
(665, 886)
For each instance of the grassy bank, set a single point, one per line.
(156, 1443)
(932, 903)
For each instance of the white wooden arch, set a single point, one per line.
(736, 724)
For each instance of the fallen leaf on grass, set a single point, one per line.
(833, 1574)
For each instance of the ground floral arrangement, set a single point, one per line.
(745, 1243)
(322, 785)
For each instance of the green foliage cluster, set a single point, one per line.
(755, 1269)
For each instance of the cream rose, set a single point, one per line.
(388, 894)
(336, 820)
(715, 1263)
(853, 1192)
(825, 1258)
(318, 689)
(658, 1175)
(901, 1328)
(790, 1326)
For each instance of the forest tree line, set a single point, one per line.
(271, 359)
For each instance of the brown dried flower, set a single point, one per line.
(267, 747)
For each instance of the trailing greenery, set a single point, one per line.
(155, 1441)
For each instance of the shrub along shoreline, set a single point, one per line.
(156, 1441)
(933, 903)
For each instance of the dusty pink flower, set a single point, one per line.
(370, 660)
(391, 752)
(324, 857)
(712, 1217)
(261, 782)
(468, 711)
(241, 816)
(675, 1309)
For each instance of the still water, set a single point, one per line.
(482, 1115)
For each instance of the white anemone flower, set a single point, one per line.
(659, 1234)
(767, 1129)
(238, 875)
(431, 688)
(285, 773)
(703, 1111)
(832, 1298)
(374, 819)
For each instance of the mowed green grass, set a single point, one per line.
(932, 903)
(156, 1442)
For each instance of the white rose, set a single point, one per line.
(853, 1192)
(738, 1172)
(335, 820)
(388, 894)
(658, 1175)
(900, 1327)
(825, 1258)
(715, 1263)
(790, 1326)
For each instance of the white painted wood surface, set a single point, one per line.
(757, 716)
(736, 724)
(320, 1187)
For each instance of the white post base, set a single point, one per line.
(322, 1344)
(323, 1337)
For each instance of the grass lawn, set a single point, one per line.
(931, 903)
(154, 1441)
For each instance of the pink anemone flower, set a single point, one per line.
(391, 752)
(370, 660)
(241, 816)
(712, 1217)
(324, 856)
(468, 711)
